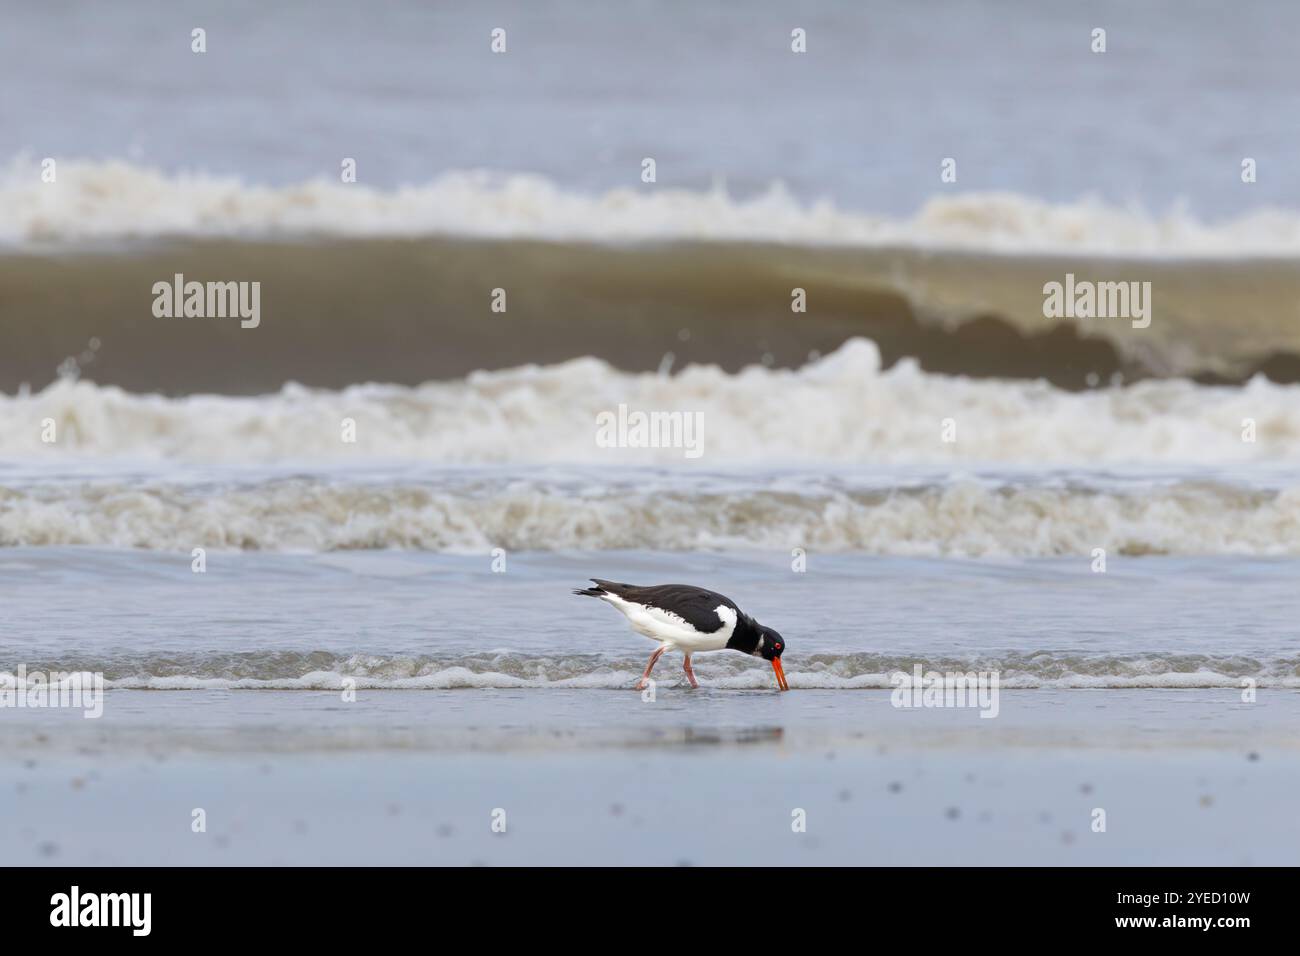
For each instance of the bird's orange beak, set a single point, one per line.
(780, 674)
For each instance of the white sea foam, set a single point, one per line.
(98, 200)
(842, 408)
(967, 518)
(823, 672)
(460, 679)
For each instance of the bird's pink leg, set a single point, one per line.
(690, 674)
(654, 659)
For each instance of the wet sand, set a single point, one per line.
(601, 777)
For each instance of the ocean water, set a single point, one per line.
(395, 484)
(920, 434)
(921, 431)
(431, 622)
(584, 92)
(522, 171)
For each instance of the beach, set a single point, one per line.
(594, 777)
(370, 708)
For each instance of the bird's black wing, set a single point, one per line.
(696, 606)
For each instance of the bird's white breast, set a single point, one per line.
(670, 628)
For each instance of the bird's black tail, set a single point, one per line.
(601, 588)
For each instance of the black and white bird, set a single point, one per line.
(690, 619)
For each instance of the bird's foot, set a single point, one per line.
(642, 684)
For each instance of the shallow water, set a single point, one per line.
(435, 621)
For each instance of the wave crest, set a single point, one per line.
(841, 408)
(284, 670)
(114, 199)
(967, 518)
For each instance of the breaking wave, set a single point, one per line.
(965, 518)
(285, 670)
(368, 285)
(841, 408)
(97, 200)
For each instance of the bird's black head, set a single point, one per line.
(771, 646)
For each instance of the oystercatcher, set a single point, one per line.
(690, 619)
